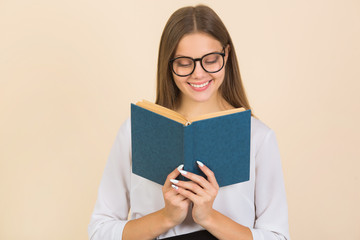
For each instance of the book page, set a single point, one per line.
(216, 114)
(163, 111)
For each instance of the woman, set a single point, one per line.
(197, 74)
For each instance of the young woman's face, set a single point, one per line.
(200, 86)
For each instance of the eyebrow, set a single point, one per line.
(178, 55)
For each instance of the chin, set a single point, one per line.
(201, 99)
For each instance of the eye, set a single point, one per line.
(183, 62)
(211, 59)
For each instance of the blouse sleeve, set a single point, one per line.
(271, 220)
(112, 206)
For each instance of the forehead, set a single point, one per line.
(197, 44)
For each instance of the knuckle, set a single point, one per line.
(167, 195)
(168, 177)
(184, 193)
(198, 188)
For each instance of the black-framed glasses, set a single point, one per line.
(185, 66)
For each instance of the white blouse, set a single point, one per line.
(259, 203)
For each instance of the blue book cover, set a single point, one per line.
(160, 144)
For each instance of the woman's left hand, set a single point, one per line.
(200, 191)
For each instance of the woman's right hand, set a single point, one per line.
(176, 206)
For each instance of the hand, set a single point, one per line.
(176, 205)
(200, 191)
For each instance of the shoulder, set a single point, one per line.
(259, 133)
(125, 129)
(259, 128)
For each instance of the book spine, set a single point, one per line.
(188, 148)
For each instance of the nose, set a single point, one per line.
(199, 72)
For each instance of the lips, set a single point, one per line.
(199, 85)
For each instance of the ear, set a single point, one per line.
(227, 51)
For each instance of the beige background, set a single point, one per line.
(69, 70)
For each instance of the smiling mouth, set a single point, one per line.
(200, 85)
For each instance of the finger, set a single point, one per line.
(172, 175)
(210, 174)
(197, 179)
(193, 187)
(173, 194)
(176, 196)
(189, 195)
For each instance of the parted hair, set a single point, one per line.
(188, 20)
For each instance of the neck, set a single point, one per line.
(191, 109)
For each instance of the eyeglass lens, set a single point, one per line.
(211, 63)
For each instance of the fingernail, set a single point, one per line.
(174, 187)
(200, 163)
(180, 167)
(183, 172)
(174, 181)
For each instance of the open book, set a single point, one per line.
(162, 139)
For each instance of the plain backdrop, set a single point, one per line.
(70, 69)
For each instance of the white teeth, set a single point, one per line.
(200, 85)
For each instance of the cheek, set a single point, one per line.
(179, 81)
(219, 77)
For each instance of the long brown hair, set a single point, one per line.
(189, 20)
